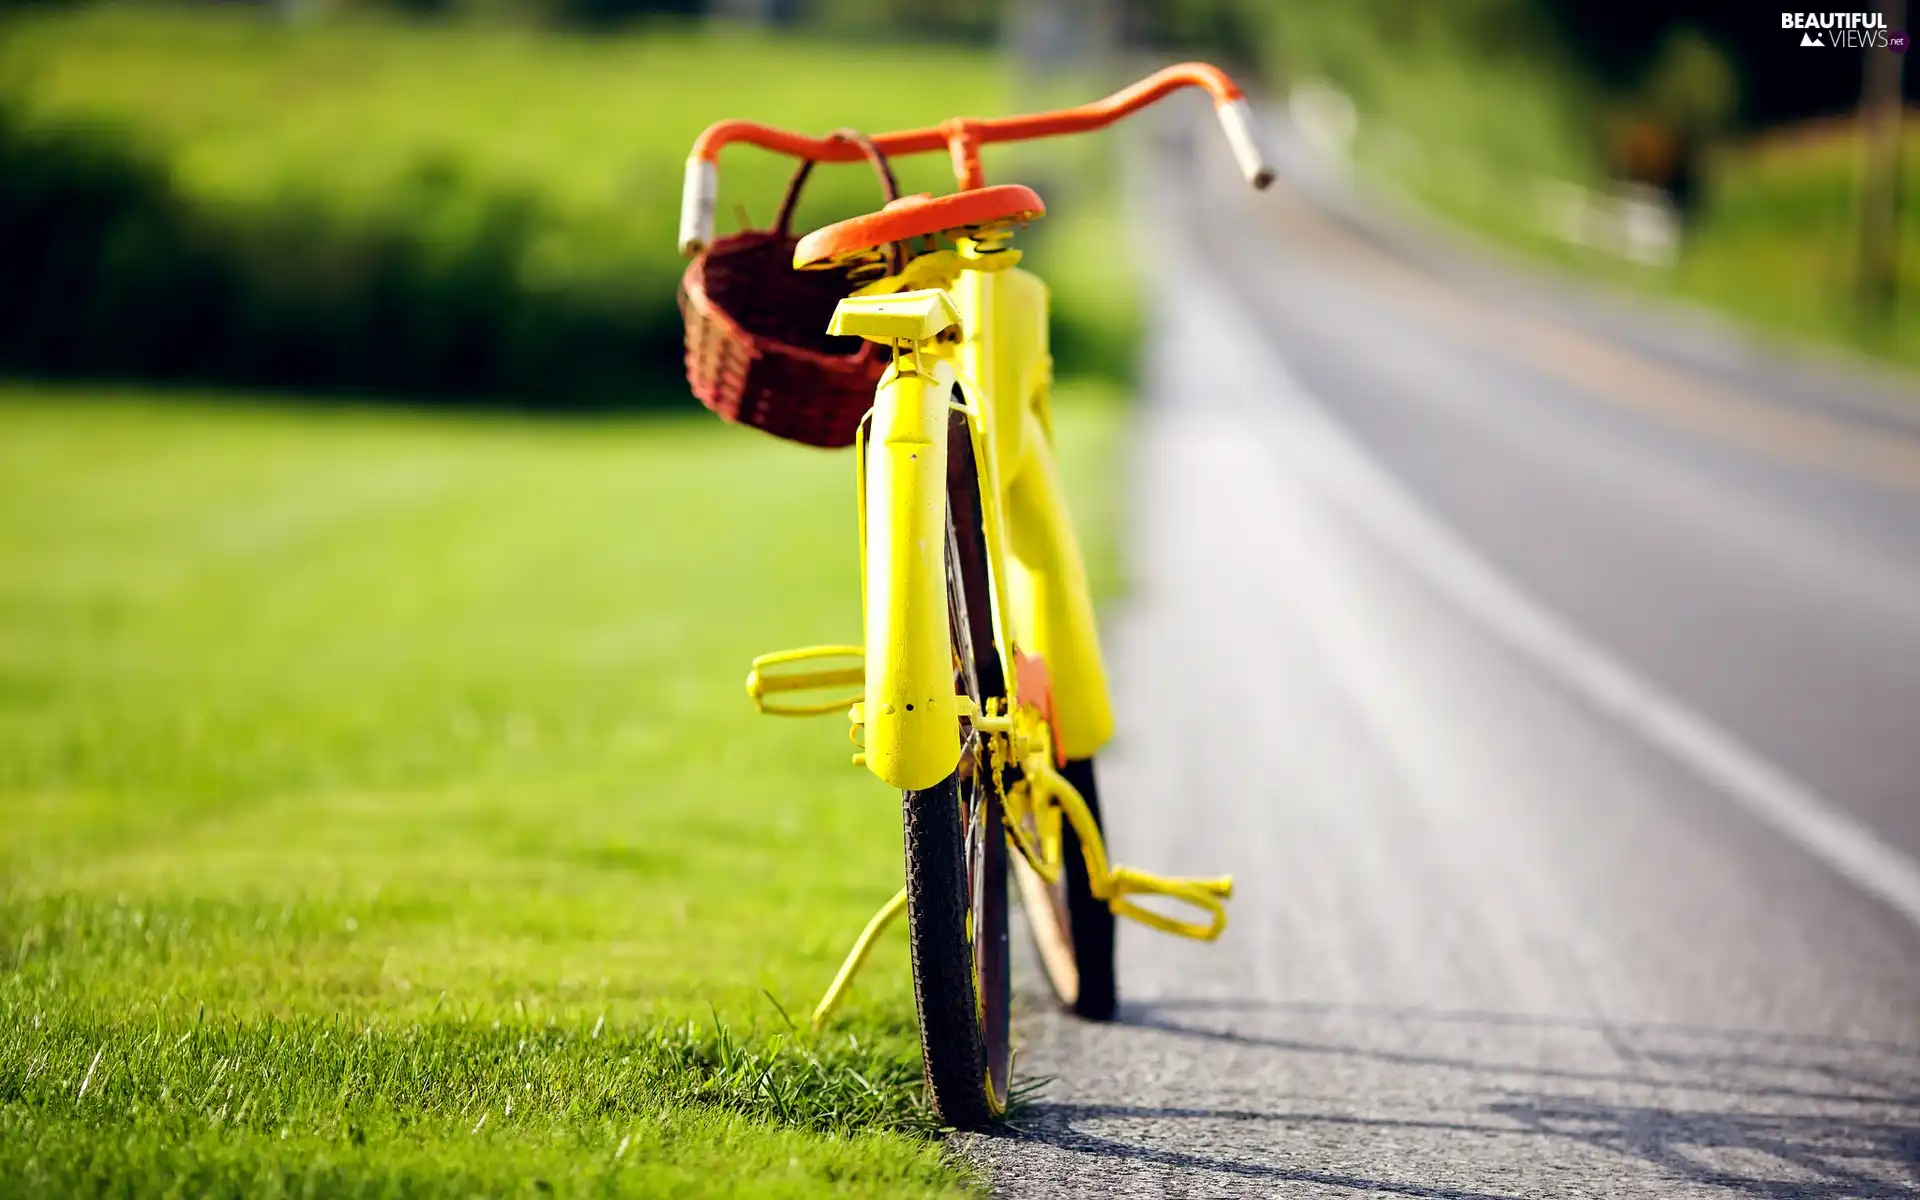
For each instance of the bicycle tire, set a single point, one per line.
(956, 852)
(1072, 929)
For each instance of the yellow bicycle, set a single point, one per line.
(979, 691)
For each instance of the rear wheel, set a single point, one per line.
(1073, 930)
(957, 854)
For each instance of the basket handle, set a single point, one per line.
(889, 187)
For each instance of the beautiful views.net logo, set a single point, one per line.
(1852, 30)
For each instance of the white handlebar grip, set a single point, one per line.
(1236, 117)
(697, 198)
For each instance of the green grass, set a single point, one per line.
(1778, 244)
(365, 773)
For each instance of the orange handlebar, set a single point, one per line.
(963, 137)
(1080, 119)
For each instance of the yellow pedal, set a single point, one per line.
(901, 317)
(790, 672)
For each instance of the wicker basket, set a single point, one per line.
(757, 349)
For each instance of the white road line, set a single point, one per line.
(1298, 426)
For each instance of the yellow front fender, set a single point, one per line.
(912, 721)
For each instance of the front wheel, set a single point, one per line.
(957, 852)
(957, 935)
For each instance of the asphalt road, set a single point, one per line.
(1549, 675)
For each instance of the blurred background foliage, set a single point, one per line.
(474, 199)
(463, 209)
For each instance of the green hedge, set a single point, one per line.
(112, 272)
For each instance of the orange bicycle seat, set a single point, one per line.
(916, 216)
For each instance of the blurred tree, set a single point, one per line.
(756, 12)
(1880, 169)
(946, 20)
(1615, 42)
(1686, 99)
(607, 13)
(1691, 85)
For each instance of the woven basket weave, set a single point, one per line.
(757, 349)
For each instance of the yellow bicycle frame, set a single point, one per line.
(1041, 601)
